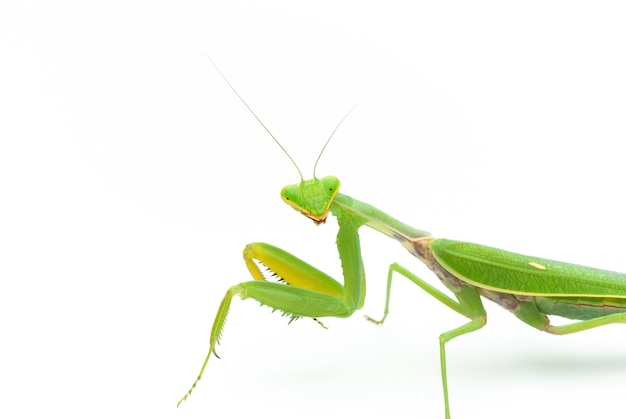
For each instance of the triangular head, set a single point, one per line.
(312, 197)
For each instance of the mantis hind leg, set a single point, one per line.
(529, 312)
(586, 324)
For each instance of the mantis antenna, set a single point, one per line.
(272, 135)
(259, 119)
(331, 136)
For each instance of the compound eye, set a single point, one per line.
(291, 194)
(331, 184)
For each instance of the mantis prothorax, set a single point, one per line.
(529, 287)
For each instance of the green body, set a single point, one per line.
(557, 288)
(499, 270)
(529, 287)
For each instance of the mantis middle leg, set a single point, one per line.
(469, 305)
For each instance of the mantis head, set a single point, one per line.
(312, 198)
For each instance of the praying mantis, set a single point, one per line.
(531, 288)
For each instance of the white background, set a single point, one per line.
(131, 178)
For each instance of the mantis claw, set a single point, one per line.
(381, 321)
(320, 323)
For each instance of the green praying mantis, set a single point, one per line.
(531, 288)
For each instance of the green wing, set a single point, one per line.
(495, 269)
